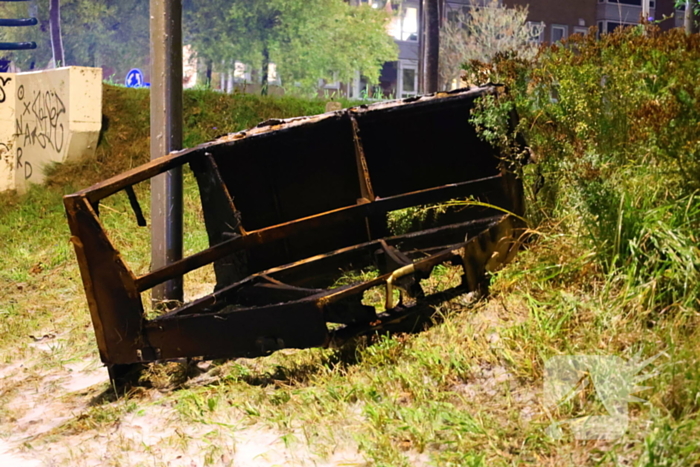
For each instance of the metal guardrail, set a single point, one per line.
(17, 45)
(19, 22)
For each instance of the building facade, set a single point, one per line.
(561, 19)
(564, 18)
(400, 79)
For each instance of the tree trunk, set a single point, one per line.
(223, 76)
(689, 20)
(56, 40)
(265, 69)
(92, 53)
(210, 66)
(429, 46)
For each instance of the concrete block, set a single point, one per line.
(56, 116)
(7, 128)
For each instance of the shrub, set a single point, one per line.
(613, 125)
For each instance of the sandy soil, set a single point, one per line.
(39, 399)
(153, 435)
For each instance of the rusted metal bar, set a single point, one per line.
(178, 158)
(134, 202)
(363, 172)
(131, 177)
(108, 282)
(247, 333)
(278, 232)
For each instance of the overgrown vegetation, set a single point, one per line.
(612, 124)
(612, 128)
(612, 271)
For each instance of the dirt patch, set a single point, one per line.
(156, 436)
(153, 433)
(9, 458)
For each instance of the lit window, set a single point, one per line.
(405, 28)
(241, 72)
(272, 76)
(409, 31)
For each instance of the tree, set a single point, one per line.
(205, 28)
(264, 25)
(102, 33)
(106, 33)
(56, 39)
(480, 32)
(692, 9)
(308, 40)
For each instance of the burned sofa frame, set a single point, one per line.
(291, 205)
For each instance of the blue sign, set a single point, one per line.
(134, 78)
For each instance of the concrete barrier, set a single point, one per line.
(7, 129)
(46, 117)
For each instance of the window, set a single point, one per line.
(241, 72)
(333, 84)
(580, 30)
(536, 31)
(405, 27)
(272, 76)
(610, 26)
(408, 78)
(652, 3)
(354, 86)
(559, 32)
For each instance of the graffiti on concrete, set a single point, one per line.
(3, 82)
(6, 154)
(41, 121)
(28, 170)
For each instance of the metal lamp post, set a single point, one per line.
(166, 136)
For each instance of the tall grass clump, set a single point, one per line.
(612, 124)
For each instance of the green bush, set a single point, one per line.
(613, 126)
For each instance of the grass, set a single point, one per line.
(466, 391)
